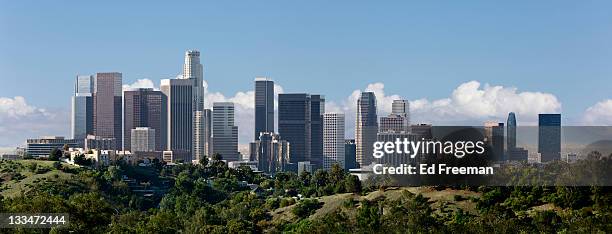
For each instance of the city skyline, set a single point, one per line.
(441, 50)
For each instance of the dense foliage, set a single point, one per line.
(212, 198)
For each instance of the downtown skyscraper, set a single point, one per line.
(145, 108)
(511, 131)
(193, 69)
(294, 124)
(549, 137)
(366, 128)
(82, 123)
(333, 140)
(264, 106)
(180, 116)
(225, 133)
(107, 106)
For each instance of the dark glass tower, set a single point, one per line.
(264, 106)
(511, 131)
(317, 109)
(180, 116)
(549, 137)
(294, 124)
(145, 108)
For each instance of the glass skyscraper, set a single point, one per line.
(549, 137)
(294, 113)
(511, 131)
(82, 123)
(366, 128)
(264, 106)
(180, 116)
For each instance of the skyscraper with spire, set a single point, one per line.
(193, 69)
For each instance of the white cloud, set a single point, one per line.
(140, 83)
(17, 107)
(472, 103)
(469, 104)
(20, 120)
(599, 114)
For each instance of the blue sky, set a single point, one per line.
(418, 50)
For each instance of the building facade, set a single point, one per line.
(107, 106)
(333, 140)
(511, 131)
(350, 151)
(225, 133)
(145, 108)
(82, 122)
(193, 70)
(143, 139)
(294, 124)
(270, 152)
(366, 128)
(180, 116)
(549, 137)
(264, 106)
(41, 147)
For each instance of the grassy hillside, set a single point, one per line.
(20, 175)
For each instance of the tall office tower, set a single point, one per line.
(511, 131)
(142, 139)
(317, 109)
(294, 124)
(145, 108)
(333, 140)
(199, 135)
(107, 106)
(270, 152)
(264, 106)
(366, 127)
(180, 117)
(549, 137)
(82, 122)
(225, 134)
(498, 142)
(208, 132)
(350, 150)
(193, 69)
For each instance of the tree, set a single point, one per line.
(352, 184)
(217, 157)
(306, 207)
(55, 154)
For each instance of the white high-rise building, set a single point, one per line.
(142, 139)
(333, 140)
(225, 133)
(193, 69)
